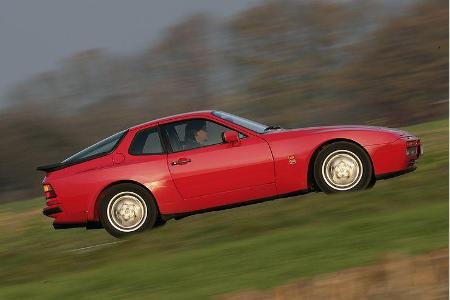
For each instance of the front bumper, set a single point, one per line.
(396, 173)
(393, 159)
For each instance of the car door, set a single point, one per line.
(218, 173)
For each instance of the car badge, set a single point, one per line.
(292, 160)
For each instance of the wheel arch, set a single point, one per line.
(96, 206)
(312, 159)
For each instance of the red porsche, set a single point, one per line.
(210, 160)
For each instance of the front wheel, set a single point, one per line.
(342, 166)
(126, 209)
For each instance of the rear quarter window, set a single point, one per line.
(146, 141)
(103, 147)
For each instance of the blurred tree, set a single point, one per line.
(286, 51)
(180, 67)
(291, 62)
(402, 77)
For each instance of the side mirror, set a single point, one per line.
(231, 137)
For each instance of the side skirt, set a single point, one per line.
(182, 215)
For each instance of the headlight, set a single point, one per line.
(411, 151)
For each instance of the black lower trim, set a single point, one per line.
(88, 225)
(93, 225)
(66, 226)
(51, 211)
(182, 215)
(395, 174)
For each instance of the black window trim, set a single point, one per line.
(163, 146)
(167, 142)
(213, 113)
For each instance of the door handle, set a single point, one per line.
(181, 161)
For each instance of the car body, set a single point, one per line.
(251, 162)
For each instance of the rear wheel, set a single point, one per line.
(342, 166)
(126, 209)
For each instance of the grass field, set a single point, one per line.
(257, 246)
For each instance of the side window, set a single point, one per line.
(194, 133)
(146, 141)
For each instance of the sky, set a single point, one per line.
(37, 34)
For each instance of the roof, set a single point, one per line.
(176, 117)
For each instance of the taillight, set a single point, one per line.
(49, 192)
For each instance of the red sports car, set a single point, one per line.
(202, 161)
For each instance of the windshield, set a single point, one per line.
(102, 147)
(254, 126)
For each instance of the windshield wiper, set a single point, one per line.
(272, 127)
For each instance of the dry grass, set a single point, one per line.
(395, 277)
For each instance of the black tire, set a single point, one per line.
(342, 167)
(139, 196)
(159, 222)
(372, 182)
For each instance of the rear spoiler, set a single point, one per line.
(62, 165)
(51, 168)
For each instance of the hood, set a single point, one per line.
(364, 135)
(323, 129)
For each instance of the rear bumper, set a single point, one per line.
(53, 212)
(50, 211)
(64, 216)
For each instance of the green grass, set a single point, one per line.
(257, 246)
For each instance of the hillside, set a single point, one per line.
(253, 247)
